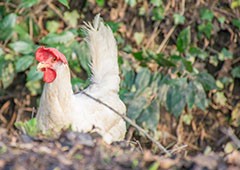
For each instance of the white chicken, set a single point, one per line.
(60, 107)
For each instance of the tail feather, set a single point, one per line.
(103, 49)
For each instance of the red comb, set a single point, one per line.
(44, 53)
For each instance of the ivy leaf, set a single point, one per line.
(28, 3)
(236, 72)
(206, 14)
(33, 74)
(22, 47)
(64, 2)
(157, 2)
(100, 2)
(6, 26)
(178, 19)
(207, 81)
(206, 28)
(53, 38)
(136, 106)
(132, 3)
(236, 23)
(176, 99)
(187, 65)
(129, 78)
(138, 37)
(52, 26)
(34, 87)
(197, 52)
(23, 63)
(190, 95)
(150, 116)
(225, 54)
(158, 13)
(113, 25)
(7, 75)
(72, 17)
(83, 54)
(159, 58)
(201, 98)
(143, 78)
(183, 40)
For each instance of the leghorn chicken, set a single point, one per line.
(60, 107)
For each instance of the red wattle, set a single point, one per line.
(49, 75)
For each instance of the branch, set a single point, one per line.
(159, 145)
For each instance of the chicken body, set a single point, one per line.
(60, 108)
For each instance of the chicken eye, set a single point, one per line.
(54, 59)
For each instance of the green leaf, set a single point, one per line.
(71, 17)
(52, 26)
(236, 23)
(158, 13)
(187, 119)
(235, 4)
(28, 3)
(113, 25)
(138, 37)
(236, 72)
(225, 54)
(79, 84)
(6, 26)
(129, 78)
(190, 95)
(178, 19)
(206, 29)
(1, 52)
(159, 58)
(200, 97)
(220, 98)
(62, 38)
(143, 78)
(207, 81)
(132, 3)
(136, 106)
(24, 63)
(175, 100)
(100, 2)
(34, 87)
(183, 40)
(22, 47)
(28, 127)
(33, 74)
(64, 2)
(150, 116)
(7, 75)
(221, 20)
(157, 2)
(82, 52)
(22, 32)
(206, 14)
(187, 65)
(197, 52)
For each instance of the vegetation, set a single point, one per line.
(179, 65)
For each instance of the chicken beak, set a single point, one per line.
(40, 66)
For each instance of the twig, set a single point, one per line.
(231, 135)
(164, 42)
(178, 148)
(141, 130)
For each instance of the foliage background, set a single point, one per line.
(179, 63)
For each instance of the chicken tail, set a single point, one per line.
(103, 50)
